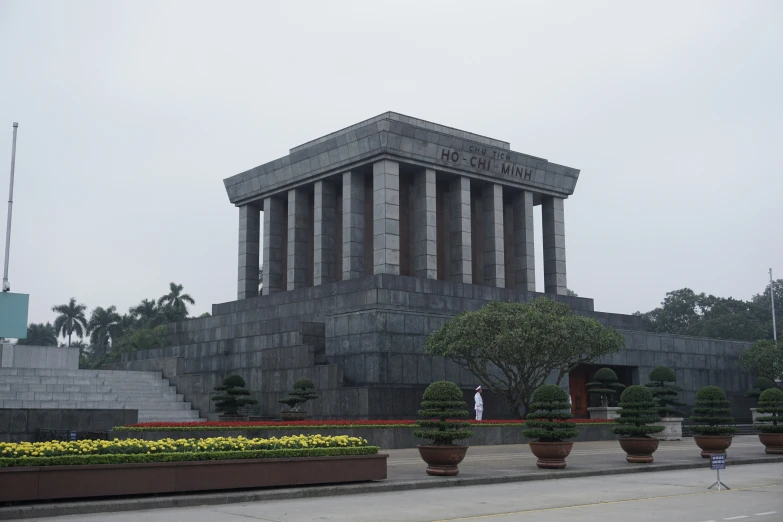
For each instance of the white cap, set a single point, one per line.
(478, 388)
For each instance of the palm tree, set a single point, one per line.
(147, 313)
(104, 326)
(39, 334)
(70, 320)
(176, 301)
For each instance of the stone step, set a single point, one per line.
(110, 374)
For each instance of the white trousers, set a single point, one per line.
(479, 413)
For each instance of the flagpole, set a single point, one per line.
(6, 284)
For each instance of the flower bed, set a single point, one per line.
(89, 468)
(314, 424)
(55, 453)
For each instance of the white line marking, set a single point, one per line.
(767, 513)
(736, 518)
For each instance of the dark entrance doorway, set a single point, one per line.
(582, 374)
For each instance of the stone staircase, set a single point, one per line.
(150, 394)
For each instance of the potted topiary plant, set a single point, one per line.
(605, 384)
(637, 421)
(548, 423)
(232, 395)
(759, 385)
(442, 401)
(304, 390)
(713, 425)
(667, 395)
(769, 423)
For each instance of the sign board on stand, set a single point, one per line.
(718, 462)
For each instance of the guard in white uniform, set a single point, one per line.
(479, 404)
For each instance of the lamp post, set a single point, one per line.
(6, 284)
(772, 297)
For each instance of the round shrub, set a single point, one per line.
(663, 373)
(231, 395)
(665, 392)
(549, 416)
(304, 390)
(770, 404)
(712, 413)
(638, 413)
(605, 385)
(442, 400)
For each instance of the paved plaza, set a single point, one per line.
(494, 479)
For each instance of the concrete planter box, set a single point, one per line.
(754, 414)
(604, 412)
(672, 428)
(59, 482)
(386, 438)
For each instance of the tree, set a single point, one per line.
(176, 301)
(142, 339)
(105, 326)
(513, 347)
(571, 293)
(40, 334)
(147, 313)
(232, 395)
(304, 390)
(762, 307)
(551, 419)
(764, 359)
(712, 413)
(638, 413)
(71, 320)
(605, 384)
(665, 392)
(442, 400)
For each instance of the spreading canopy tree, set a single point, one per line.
(512, 348)
(764, 359)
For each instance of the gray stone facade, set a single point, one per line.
(379, 233)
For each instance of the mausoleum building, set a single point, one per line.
(373, 236)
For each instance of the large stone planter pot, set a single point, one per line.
(712, 444)
(442, 460)
(639, 450)
(551, 455)
(604, 412)
(672, 428)
(773, 442)
(293, 415)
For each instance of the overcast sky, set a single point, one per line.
(132, 113)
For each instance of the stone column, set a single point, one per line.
(524, 244)
(298, 221)
(324, 222)
(494, 252)
(249, 237)
(425, 255)
(353, 225)
(553, 219)
(386, 217)
(274, 239)
(460, 269)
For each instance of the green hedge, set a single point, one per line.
(124, 458)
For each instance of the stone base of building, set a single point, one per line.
(361, 343)
(604, 412)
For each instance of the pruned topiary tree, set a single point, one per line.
(442, 400)
(232, 395)
(638, 413)
(665, 392)
(304, 390)
(550, 414)
(771, 405)
(605, 384)
(712, 413)
(759, 385)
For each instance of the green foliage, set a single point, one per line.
(71, 320)
(144, 339)
(604, 385)
(638, 413)
(759, 385)
(39, 334)
(770, 404)
(442, 400)
(712, 413)
(512, 348)
(175, 303)
(548, 422)
(686, 312)
(147, 314)
(304, 390)
(665, 392)
(764, 359)
(232, 395)
(105, 327)
(125, 458)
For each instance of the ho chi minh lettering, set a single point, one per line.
(489, 160)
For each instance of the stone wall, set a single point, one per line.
(19, 424)
(24, 356)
